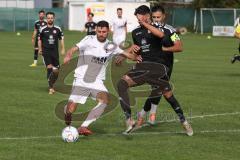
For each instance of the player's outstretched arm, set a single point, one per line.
(39, 46)
(33, 36)
(130, 54)
(62, 47)
(69, 54)
(152, 29)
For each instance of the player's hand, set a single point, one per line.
(139, 58)
(119, 59)
(67, 58)
(40, 52)
(63, 52)
(33, 42)
(164, 48)
(135, 48)
(143, 23)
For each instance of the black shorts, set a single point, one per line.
(154, 74)
(51, 59)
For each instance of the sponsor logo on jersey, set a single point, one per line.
(144, 41)
(99, 60)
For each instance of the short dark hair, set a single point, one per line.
(103, 24)
(91, 14)
(143, 9)
(119, 9)
(41, 11)
(158, 8)
(51, 13)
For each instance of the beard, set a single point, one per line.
(101, 39)
(50, 22)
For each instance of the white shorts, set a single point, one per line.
(119, 39)
(82, 90)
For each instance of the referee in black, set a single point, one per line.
(148, 43)
(90, 26)
(37, 26)
(48, 47)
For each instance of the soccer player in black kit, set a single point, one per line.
(148, 40)
(48, 47)
(37, 26)
(90, 26)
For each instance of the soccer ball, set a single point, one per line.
(70, 134)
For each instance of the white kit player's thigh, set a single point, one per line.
(79, 92)
(98, 86)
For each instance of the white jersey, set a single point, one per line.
(119, 25)
(237, 22)
(93, 58)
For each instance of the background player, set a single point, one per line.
(119, 27)
(94, 56)
(90, 26)
(48, 47)
(170, 43)
(237, 35)
(37, 26)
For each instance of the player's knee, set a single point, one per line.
(50, 66)
(122, 85)
(167, 94)
(71, 107)
(55, 70)
(104, 99)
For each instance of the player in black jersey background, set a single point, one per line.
(48, 47)
(90, 26)
(148, 43)
(37, 26)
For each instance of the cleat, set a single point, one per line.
(235, 57)
(188, 128)
(51, 91)
(68, 119)
(84, 131)
(131, 124)
(33, 65)
(152, 119)
(140, 121)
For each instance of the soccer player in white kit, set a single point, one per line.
(94, 53)
(119, 27)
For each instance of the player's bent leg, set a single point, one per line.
(53, 76)
(178, 110)
(35, 58)
(123, 86)
(49, 73)
(94, 114)
(68, 110)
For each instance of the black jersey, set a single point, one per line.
(151, 45)
(170, 36)
(90, 26)
(39, 24)
(49, 37)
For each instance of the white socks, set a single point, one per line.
(142, 113)
(94, 114)
(153, 108)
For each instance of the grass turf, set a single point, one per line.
(204, 81)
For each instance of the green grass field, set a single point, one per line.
(205, 82)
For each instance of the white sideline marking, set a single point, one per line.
(192, 117)
(143, 133)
